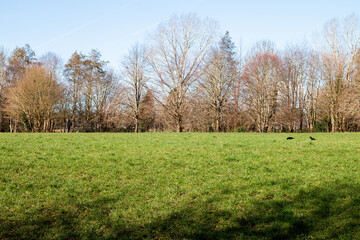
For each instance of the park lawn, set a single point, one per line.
(179, 186)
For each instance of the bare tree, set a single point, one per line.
(105, 88)
(90, 86)
(292, 88)
(261, 85)
(198, 117)
(52, 62)
(178, 51)
(135, 74)
(338, 55)
(312, 82)
(115, 109)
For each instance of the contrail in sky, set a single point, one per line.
(149, 27)
(66, 34)
(79, 28)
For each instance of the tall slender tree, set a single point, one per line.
(135, 74)
(292, 88)
(3, 84)
(74, 74)
(94, 76)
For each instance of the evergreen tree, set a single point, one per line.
(219, 80)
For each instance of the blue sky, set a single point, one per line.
(112, 26)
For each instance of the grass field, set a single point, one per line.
(179, 186)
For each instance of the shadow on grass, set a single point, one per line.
(319, 213)
(331, 212)
(63, 221)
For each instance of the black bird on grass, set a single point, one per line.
(312, 138)
(289, 138)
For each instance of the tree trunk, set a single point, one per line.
(311, 126)
(136, 129)
(179, 127)
(218, 119)
(332, 121)
(217, 123)
(10, 126)
(301, 120)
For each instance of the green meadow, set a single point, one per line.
(179, 186)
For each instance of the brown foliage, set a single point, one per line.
(33, 100)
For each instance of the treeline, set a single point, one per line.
(186, 78)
